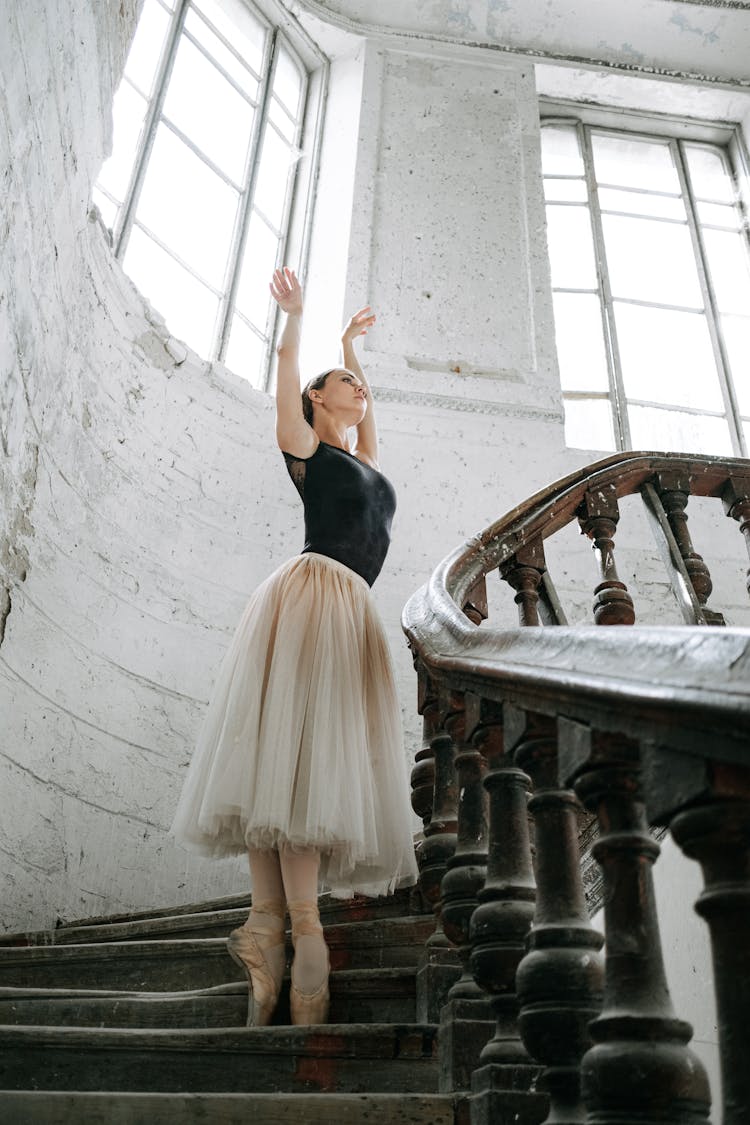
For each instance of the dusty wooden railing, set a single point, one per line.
(616, 730)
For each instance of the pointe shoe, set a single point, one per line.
(308, 1007)
(258, 948)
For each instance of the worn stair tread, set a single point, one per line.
(240, 901)
(199, 923)
(357, 995)
(341, 1058)
(356, 934)
(352, 1039)
(127, 1108)
(177, 964)
(348, 978)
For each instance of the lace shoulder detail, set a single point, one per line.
(297, 471)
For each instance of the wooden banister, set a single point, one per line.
(598, 710)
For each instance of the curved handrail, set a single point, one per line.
(587, 672)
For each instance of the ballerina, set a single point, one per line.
(300, 760)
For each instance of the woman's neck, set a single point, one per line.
(332, 432)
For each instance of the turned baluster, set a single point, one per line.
(560, 979)
(640, 1069)
(467, 867)
(466, 1018)
(598, 516)
(673, 488)
(499, 928)
(441, 833)
(523, 571)
(423, 773)
(475, 602)
(712, 825)
(736, 499)
(438, 965)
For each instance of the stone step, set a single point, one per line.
(330, 1058)
(202, 924)
(197, 923)
(35, 1107)
(184, 965)
(357, 996)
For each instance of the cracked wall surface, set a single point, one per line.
(708, 41)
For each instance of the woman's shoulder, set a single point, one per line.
(298, 453)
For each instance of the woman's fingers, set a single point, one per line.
(284, 285)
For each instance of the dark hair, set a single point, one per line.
(314, 385)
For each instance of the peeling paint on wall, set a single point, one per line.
(684, 24)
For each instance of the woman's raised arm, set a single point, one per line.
(293, 434)
(367, 431)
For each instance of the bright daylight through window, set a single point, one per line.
(198, 191)
(651, 284)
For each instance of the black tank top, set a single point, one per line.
(348, 508)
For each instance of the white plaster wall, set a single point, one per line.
(144, 497)
(683, 39)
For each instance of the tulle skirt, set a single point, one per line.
(301, 743)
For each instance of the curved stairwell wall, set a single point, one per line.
(138, 511)
(143, 497)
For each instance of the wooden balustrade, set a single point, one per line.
(560, 979)
(653, 730)
(598, 516)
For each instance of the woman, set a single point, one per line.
(300, 760)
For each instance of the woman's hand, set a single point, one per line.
(358, 325)
(287, 291)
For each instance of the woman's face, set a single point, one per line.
(343, 395)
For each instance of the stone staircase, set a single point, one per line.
(140, 1019)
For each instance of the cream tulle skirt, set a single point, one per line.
(301, 743)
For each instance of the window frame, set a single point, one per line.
(283, 31)
(675, 131)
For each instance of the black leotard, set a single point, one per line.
(348, 508)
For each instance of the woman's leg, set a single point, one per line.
(258, 945)
(310, 968)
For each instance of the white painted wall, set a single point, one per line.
(144, 497)
(681, 39)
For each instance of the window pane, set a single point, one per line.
(580, 342)
(667, 357)
(258, 263)
(571, 247)
(588, 424)
(561, 153)
(736, 334)
(147, 45)
(187, 306)
(224, 57)
(107, 209)
(287, 82)
(245, 352)
(641, 203)
(281, 119)
(730, 270)
(128, 111)
(565, 191)
(188, 207)
(674, 432)
(239, 26)
(719, 215)
(651, 261)
(630, 162)
(209, 110)
(273, 176)
(708, 174)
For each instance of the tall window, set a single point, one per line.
(208, 128)
(651, 284)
